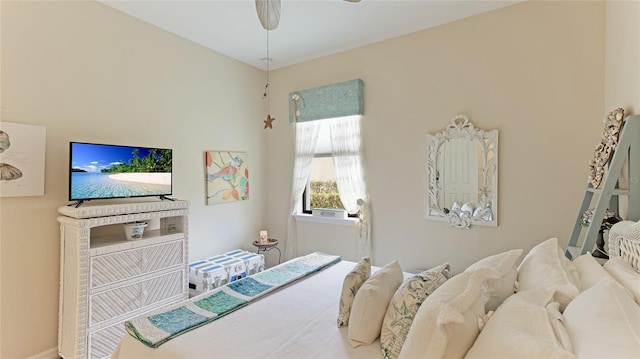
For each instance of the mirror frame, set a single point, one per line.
(461, 127)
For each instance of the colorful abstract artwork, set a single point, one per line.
(227, 176)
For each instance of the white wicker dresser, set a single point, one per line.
(106, 279)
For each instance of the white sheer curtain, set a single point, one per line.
(306, 136)
(348, 158)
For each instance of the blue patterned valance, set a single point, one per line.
(330, 101)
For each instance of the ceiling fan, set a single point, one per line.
(269, 12)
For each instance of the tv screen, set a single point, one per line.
(102, 171)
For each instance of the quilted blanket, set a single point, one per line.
(160, 326)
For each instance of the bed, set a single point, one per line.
(298, 321)
(509, 305)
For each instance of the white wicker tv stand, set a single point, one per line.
(106, 279)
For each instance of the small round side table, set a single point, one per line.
(265, 247)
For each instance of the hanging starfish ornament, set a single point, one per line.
(269, 15)
(268, 121)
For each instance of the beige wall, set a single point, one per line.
(90, 73)
(622, 56)
(622, 66)
(534, 71)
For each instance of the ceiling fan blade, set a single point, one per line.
(268, 13)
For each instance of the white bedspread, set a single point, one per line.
(298, 321)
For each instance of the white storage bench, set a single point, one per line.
(213, 272)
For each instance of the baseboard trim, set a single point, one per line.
(49, 354)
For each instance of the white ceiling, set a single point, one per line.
(308, 29)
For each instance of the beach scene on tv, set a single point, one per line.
(107, 171)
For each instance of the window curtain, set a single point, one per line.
(307, 110)
(306, 137)
(330, 101)
(348, 158)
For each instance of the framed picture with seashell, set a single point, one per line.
(22, 156)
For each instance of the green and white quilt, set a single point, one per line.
(159, 327)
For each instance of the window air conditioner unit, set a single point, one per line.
(329, 213)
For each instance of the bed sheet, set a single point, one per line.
(298, 321)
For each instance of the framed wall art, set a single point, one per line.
(227, 176)
(22, 159)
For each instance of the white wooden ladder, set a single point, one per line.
(608, 193)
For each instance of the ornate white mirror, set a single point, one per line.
(462, 175)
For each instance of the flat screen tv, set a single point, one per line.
(103, 171)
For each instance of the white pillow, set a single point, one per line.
(522, 327)
(624, 273)
(352, 283)
(591, 272)
(447, 323)
(404, 306)
(546, 266)
(370, 304)
(557, 322)
(604, 322)
(502, 278)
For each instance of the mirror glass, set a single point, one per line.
(462, 174)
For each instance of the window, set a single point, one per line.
(321, 190)
(337, 109)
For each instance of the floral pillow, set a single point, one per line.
(352, 282)
(404, 306)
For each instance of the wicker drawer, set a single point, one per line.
(111, 268)
(120, 301)
(103, 342)
(161, 256)
(115, 267)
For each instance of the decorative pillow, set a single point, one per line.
(502, 278)
(604, 322)
(624, 273)
(591, 272)
(352, 282)
(404, 306)
(521, 328)
(447, 322)
(546, 266)
(370, 304)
